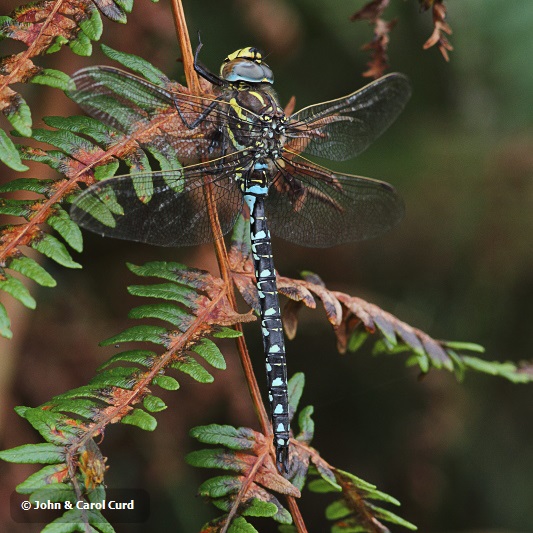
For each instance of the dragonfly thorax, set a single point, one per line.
(256, 122)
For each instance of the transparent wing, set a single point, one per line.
(315, 207)
(343, 128)
(166, 208)
(131, 104)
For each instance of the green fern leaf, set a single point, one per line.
(82, 45)
(507, 370)
(56, 45)
(65, 140)
(139, 357)
(211, 353)
(322, 486)
(254, 507)
(166, 382)
(192, 368)
(387, 329)
(79, 406)
(118, 376)
(233, 438)
(164, 311)
(53, 427)
(392, 518)
(92, 26)
(240, 525)
(465, 346)
(219, 486)
(226, 333)
(32, 270)
(158, 269)
(356, 502)
(167, 160)
(53, 158)
(307, 425)
(16, 208)
(15, 288)
(86, 391)
(89, 126)
(27, 184)
(19, 115)
(55, 492)
(54, 249)
(154, 334)
(75, 520)
(102, 207)
(337, 510)
(104, 172)
(43, 478)
(165, 291)
(44, 453)
(154, 404)
(5, 323)
(421, 361)
(141, 419)
(357, 339)
(137, 64)
(53, 78)
(68, 229)
(9, 154)
(212, 458)
(295, 390)
(126, 5)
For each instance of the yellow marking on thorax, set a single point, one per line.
(237, 108)
(259, 96)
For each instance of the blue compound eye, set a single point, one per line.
(246, 65)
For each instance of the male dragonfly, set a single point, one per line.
(251, 153)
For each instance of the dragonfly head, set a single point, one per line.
(246, 65)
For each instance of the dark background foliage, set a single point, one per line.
(458, 456)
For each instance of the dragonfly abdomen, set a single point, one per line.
(271, 325)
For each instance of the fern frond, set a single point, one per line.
(254, 487)
(356, 510)
(354, 320)
(85, 151)
(196, 307)
(44, 27)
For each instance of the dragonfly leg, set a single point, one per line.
(202, 116)
(203, 71)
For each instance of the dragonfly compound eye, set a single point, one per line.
(246, 65)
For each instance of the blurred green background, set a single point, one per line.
(459, 457)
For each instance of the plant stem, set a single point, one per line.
(220, 246)
(185, 45)
(296, 515)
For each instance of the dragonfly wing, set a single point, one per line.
(166, 208)
(312, 206)
(155, 115)
(343, 128)
(118, 98)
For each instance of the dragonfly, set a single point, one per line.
(240, 142)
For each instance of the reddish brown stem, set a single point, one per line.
(29, 52)
(185, 45)
(296, 515)
(220, 246)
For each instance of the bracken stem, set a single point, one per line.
(220, 246)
